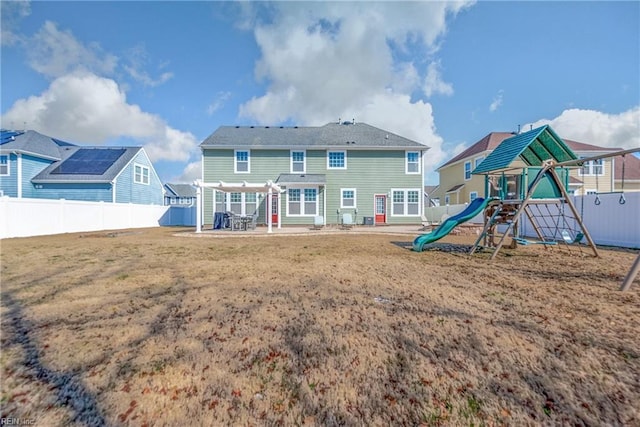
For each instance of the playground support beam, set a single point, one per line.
(576, 215)
(602, 156)
(626, 284)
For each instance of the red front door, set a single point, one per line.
(381, 208)
(274, 208)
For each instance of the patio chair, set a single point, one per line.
(253, 221)
(347, 221)
(318, 222)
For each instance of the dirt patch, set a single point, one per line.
(151, 328)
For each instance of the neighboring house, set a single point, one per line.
(631, 174)
(179, 195)
(37, 166)
(429, 200)
(459, 185)
(327, 171)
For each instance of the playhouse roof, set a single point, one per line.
(533, 148)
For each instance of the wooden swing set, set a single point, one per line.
(552, 226)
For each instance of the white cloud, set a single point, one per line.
(190, 173)
(433, 83)
(595, 127)
(54, 53)
(84, 107)
(11, 13)
(221, 98)
(138, 60)
(497, 101)
(328, 60)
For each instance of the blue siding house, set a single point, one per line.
(37, 166)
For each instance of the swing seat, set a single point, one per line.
(526, 242)
(567, 237)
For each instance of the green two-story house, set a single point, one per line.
(301, 175)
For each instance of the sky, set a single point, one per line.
(165, 75)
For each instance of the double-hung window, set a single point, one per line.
(298, 161)
(241, 163)
(405, 202)
(478, 161)
(593, 167)
(4, 165)
(238, 203)
(473, 195)
(337, 159)
(140, 174)
(412, 162)
(347, 198)
(302, 202)
(467, 171)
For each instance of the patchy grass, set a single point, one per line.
(147, 328)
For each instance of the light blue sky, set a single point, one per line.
(166, 74)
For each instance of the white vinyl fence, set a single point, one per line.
(38, 217)
(438, 214)
(609, 223)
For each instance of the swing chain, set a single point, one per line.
(622, 200)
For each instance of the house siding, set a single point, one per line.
(368, 171)
(129, 191)
(9, 183)
(31, 166)
(95, 192)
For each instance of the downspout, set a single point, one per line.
(113, 191)
(198, 207)
(278, 210)
(19, 174)
(269, 216)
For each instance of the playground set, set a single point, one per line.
(526, 178)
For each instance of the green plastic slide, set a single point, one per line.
(474, 208)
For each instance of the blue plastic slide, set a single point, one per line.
(474, 208)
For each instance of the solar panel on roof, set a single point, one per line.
(89, 161)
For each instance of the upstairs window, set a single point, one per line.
(4, 165)
(140, 174)
(467, 171)
(337, 160)
(593, 167)
(298, 161)
(413, 162)
(241, 161)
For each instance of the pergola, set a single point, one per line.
(268, 187)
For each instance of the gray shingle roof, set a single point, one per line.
(331, 135)
(308, 178)
(109, 175)
(34, 143)
(180, 190)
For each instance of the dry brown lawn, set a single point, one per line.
(153, 327)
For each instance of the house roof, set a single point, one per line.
(332, 135)
(430, 188)
(488, 143)
(493, 139)
(309, 178)
(87, 164)
(180, 190)
(33, 143)
(532, 147)
(455, 188)
(631, 167)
